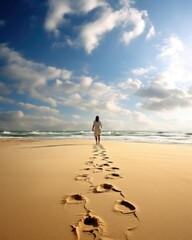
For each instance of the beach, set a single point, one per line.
(74, 189)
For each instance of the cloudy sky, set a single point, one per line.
(62, 62)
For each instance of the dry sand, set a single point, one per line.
(73, 189)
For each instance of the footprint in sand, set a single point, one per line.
(103, 151)
(124, 207)
(83, 177)
(95, 149)
(105, 187)
(92, 158)
(103, 155)
(86, 169)
(95, 152)
(89, 224)
(104, 165)
(112, 169)
(109, 161)
(113, 176)
(89, 163)
(98, 170)
(75, 199)
(105, 158)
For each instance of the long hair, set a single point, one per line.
(97, 119)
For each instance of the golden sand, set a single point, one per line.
(74, 189)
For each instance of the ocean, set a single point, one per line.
(128, 136)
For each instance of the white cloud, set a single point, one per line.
(113, 107)
(76, 116)
(84, 93)
(142, 71)
(131, 120)
(168, 104)
(177, 59)
(169, 89)
(22, 69)
(92, 33)
(99, 90)
(58, 82)
(40, 109)
(190, 90)
(59, 8)
(162, 97)
(62, 87)
(130, 83)
(29, 76)
(64, 74)
(136, 18)
(17, 120)
(153, 91)
(171, 47)
(94, 28)
(94, 97)
(138, 119)
(52, 101)
(87, 6)
(151, 33)
(86, 81)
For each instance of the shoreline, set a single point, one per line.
(117, 190)
(107, 135)
(27, 139)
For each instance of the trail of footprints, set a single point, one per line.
(90, 224)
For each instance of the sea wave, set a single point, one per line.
(116, 135)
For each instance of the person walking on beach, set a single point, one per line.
(97, 126)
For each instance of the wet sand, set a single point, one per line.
(74, 189)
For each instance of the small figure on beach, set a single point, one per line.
(97, 126)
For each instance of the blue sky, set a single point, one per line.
(64, 62)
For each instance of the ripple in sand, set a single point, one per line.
(87, 225)
(124, 207)
(113, 176)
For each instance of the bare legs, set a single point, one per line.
(97, 139)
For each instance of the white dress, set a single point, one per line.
(97, 128)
